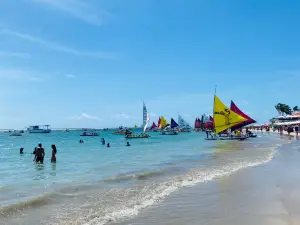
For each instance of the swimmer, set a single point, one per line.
(81, 141)
(40, 154)
(128, 144)
(108, 145)
(21, 150)
(54, 151)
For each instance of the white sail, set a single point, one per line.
(182, 123)
(145, 117)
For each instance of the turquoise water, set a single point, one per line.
(110, 184)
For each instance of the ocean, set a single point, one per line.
(93, 185)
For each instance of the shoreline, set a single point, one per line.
(264, 194)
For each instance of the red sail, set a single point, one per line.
(159, 123)
(249, 120)
(153, 126)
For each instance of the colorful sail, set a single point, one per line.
(197, 123)
(153, 126)
(182, 123)
(249, 120)
(145, 117)
(225, 118)
(173, 123)
(159, 123)
(202, 122)
(163, 122)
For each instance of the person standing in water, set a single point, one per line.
(108, 145)
(54, 151)
(21, 150)
(39, 155)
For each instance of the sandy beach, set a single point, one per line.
(267, 194)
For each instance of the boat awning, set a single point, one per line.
(287, 123)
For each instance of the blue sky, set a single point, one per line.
(76, 63)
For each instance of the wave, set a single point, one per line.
(5, 211)
(137, 176)
(155, 194)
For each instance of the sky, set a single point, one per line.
(92, 63)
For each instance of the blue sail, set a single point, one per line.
(173, 123)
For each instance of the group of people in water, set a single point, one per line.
(39, 153)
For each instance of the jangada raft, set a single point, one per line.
(171, 131)
(225, 118)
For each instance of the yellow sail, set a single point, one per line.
(224, 118)
(163, 122)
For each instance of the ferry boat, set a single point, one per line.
(40, 129)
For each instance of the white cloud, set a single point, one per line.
(78, 9)
(22, 75)
(121, 116)
(84, 116)
(15, 54)
(56, 46)
(153, 115)
(70, 76)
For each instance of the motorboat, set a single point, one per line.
(39, 129)
(89, 134)
(169, 132)
(15, 133)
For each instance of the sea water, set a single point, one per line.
(93, 184)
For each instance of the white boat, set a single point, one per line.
(183, 125)
(169, 132)
(15, 133)
(41, 129)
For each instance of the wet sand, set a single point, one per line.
(268, 194)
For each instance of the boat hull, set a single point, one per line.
(170, 133)
(39, 131)
(137, 136)
(16, 135)
(226, 139)
(89, 135)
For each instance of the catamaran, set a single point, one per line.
(145, 124)
(225, 118)
(183, 125)
(172, 130)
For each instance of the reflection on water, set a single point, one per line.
(40, 173)
(53, 171)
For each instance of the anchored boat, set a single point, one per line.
(39, 129)
(145, 124)
(225, 118)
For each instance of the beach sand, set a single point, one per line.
(268, 194)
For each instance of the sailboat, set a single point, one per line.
(183, 125)
(249, 120)
(225, 118)
(197, 124)
(162, 123)
(173, 130)
(145, 124)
